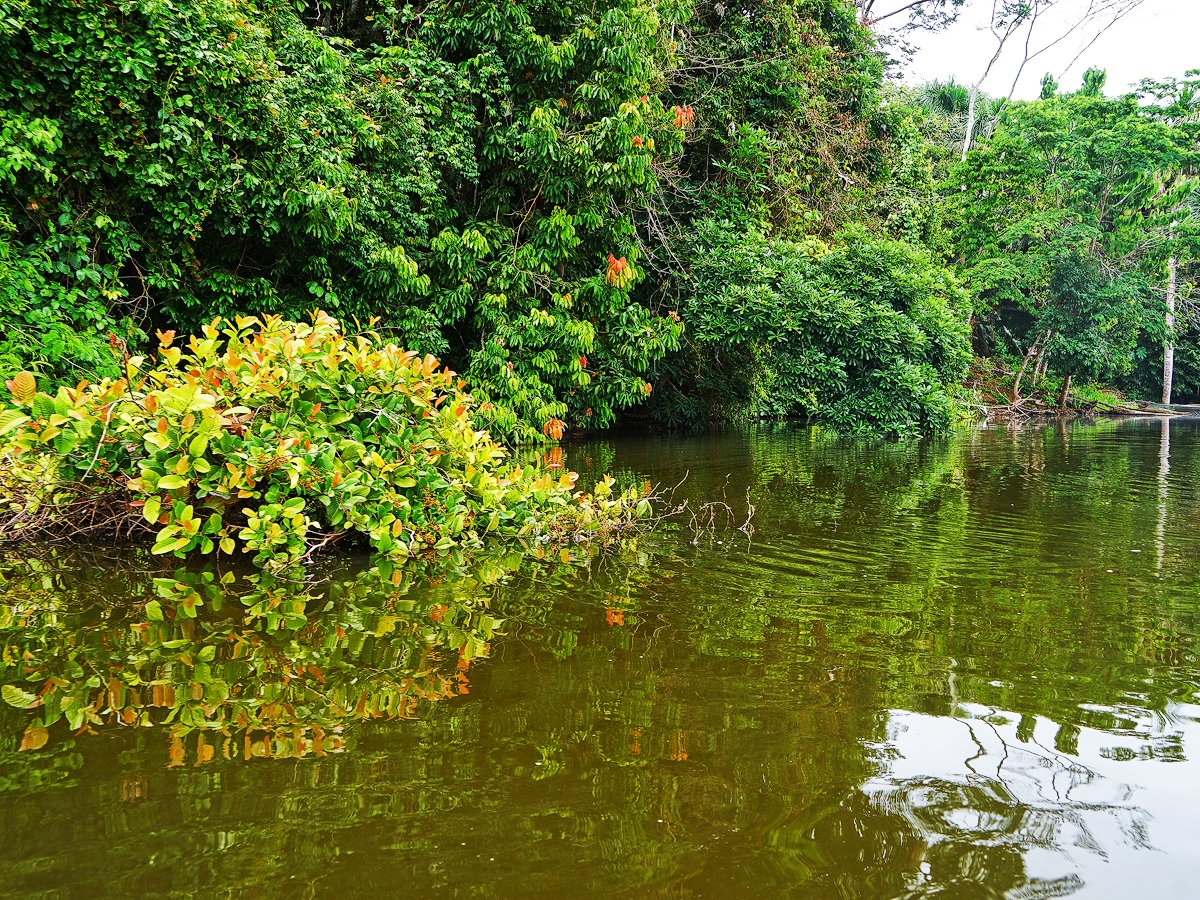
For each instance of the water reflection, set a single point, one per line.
(1014, 793)
(961, 668)
(253, 665)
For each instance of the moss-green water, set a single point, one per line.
(963, 668)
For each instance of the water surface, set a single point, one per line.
(962, 668)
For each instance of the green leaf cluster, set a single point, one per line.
(1064, 220)
(868, 335)
(272, 436)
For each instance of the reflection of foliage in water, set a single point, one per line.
(696, 716)
(255, 665)
(931, 575)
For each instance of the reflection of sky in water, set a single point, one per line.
(1081, 820)
(684, 720)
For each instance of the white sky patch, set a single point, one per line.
(1156, 40)
(1117, 818)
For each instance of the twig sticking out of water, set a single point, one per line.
(708, 517)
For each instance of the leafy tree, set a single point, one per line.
(511, 187)
(868, 335)
(789, 126)
(1063, 222)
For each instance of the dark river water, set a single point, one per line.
(962, 668)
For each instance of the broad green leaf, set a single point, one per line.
(10, 419)
(14, 696)
(43, 406)
(152, 509)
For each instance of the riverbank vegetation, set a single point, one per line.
(276, 438)
(682, 211)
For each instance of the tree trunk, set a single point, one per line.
(1040, 342)
(1039, 368)
(1015, 343)
(971, 117)
(1062, 396)
(1169, 342)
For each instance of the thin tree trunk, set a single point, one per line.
(1001, 40)
(1016, 391)
(1062, 396)
(1015, 343)
(1169, 342)
(971, 117)
(1039, 368)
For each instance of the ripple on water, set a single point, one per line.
(953, 668)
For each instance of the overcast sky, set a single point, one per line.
(1160, 38)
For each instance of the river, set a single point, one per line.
(956, 668)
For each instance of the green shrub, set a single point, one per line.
(868, 336)
(276, 436)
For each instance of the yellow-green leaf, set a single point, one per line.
(151, 510)
(23, 386)
(14, 696)
(10, 419)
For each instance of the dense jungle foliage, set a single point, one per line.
(1075, 228)
(678, 209)
(515, 188)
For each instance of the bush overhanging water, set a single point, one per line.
(274, 437)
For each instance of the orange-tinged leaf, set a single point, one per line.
(23, 386)
(204, 750)
(34, 738)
